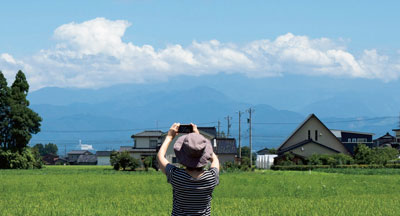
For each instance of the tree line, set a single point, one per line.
(17, 124)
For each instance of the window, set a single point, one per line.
(309, 134)
(361, 140)
(316, 135)
(349, 140)
(354, 140)
(153, 143)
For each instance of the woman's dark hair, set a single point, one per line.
(195, 168)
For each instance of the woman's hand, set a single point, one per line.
(195, 130)
(173, 130)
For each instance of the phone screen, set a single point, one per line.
(185, 129)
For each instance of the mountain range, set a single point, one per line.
(107, 117)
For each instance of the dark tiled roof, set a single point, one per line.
(209, 130)
(87, 159)
(62, 159)
(103, 153)
(263, 151)
(225, 146)
(148, 133)
(80, 152)
(387, 136)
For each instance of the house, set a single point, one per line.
(226, 149)
(386, 140)
(61, 161)
(86, 159)
(266, 151)
(103, 157)
(74, 155)
(50, 159)
(145, 144)
(311, 137)
(351, 139)
(397, 132)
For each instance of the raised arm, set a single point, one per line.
(162, 161)
(214, 161)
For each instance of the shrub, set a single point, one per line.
(123, 160)
(147, 162)
(362, 154)
(26, 159)
(331, 160)
(379, 155)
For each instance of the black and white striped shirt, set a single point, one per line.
(191, 196)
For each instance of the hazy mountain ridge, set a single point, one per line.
(111, 115)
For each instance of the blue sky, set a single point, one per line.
(67, 43)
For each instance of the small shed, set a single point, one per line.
(103, 157)
(265, 161)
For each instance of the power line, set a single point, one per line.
(327, 122)
(113, 130)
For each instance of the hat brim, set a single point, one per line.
(185, 160)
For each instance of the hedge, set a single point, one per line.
(353, 166)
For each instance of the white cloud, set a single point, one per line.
(9, 66)
(92, 54)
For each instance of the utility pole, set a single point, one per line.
(65, 150)
(240, 140)
(228, 118)
(250, 110)
(219, 132)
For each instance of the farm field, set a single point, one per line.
(99, 190)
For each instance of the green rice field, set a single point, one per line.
(99, 190)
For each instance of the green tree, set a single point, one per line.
(246, 154)
(147, 162)
(23, 121)
(50, 148)
(363, 154)
(39, 148)
(383, 155)
(5, 96)
(114, 160)
(272, 151)
(123, 160)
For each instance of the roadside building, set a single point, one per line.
(75, 154)
(311, 137)
(145, 144)
(351, 139)
(103, 157)
(226, 149)
(50, 159)
(87, 160)
(387, 140)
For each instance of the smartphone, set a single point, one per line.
(185, 129)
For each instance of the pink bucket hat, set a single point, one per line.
(193, 150)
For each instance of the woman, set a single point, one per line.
(193, 186)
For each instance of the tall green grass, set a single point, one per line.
(97, 190)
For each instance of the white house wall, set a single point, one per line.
(103, 160)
